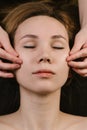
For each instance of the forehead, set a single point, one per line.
(40, 25)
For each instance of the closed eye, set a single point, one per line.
(55, 47)
(29, 47)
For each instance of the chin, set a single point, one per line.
(41, 90)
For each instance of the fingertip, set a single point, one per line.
(67, 59)
(71, 52)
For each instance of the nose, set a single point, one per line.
(45, 56)
(45, 60)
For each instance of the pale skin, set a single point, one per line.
(43, 50)
(79, 49)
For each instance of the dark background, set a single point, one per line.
(73, 97)
(6, 3)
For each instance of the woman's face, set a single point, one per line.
(43, 44)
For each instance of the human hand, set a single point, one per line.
(9, 54)
(77, 59)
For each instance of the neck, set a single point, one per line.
(39, 112)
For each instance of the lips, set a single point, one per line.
(44, 73)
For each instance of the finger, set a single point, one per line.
(8, 66)
(82, 72)
(78, 43)
(7, 56)
(78, 65)
(85, 45)
(81, 54)
(6, 74)
(5, 42)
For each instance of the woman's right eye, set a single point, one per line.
(29, 44)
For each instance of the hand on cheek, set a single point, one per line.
(78, 61)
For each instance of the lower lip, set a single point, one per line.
(44, 75)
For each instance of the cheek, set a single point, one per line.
(63, 67)
(25, 67)
(23, 74)
(62, 73)
(62, 58)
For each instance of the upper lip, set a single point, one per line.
(43, 71)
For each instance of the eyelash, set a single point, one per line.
(31, 47)
(58, 47)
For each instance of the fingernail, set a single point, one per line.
(19, 61)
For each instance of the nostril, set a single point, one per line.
(48, 60)
(41, 60)
(45, 60)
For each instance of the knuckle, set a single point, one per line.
(84, 53)
(2, 53)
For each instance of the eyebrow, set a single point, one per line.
(36, 37)
(29, 36)
(58, 37)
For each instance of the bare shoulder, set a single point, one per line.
(75, 122)
(4, 125)
(80, 122)
(7, 122)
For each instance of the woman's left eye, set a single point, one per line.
(29, 47)
(58, 47)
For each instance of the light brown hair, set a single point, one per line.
(20, 13)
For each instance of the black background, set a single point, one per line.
(73, 98)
